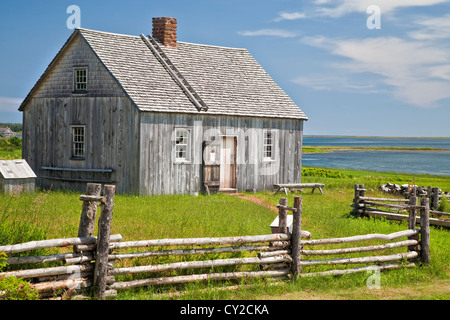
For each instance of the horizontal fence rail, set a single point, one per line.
(201, 241)
(48, 281)
(374, 259)
(374, 236)
(360, 249)
(54, 243)
(382, 261)
(371, 206)
(106, 263)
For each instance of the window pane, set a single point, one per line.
(268, 144)
(80, 76)
(78, 141)
(181, 151)
(181, 144)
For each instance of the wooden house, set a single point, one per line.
(155, 115)
(16, 176)
(6, 132)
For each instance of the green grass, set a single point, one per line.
(56, 214)
(326, 149)
(138, 218)
(371, 179)
(189, 216)
(10, 155)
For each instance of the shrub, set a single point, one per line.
(10, 144)
(2, 260)
(320, 172)
(16, 141)
(12, 288)
(444, 206)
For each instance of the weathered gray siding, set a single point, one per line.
(111, 141)
(137, 146)
(160, 174)
(16, 186)
(111, 120)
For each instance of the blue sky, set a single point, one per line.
(348, 78)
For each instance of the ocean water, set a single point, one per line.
(376, 142)
(415, 162)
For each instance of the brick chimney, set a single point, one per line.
(165, 30)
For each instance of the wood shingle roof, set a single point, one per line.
(229, 80)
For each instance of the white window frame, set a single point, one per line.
(182, 145)
(268, 144)
(80, 82)
(78, 149)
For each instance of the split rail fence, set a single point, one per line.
(364, 206)
(99, 266)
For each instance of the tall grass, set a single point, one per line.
(14, 230)
(56, 214)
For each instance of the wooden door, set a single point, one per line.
(228, 163)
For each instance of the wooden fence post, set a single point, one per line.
(359, 192)
(425, 231)
(104, 232)
(356, 200)
(412, 220)
(296, 237)
(429, 191)
(362, 194)
(89, 211)
(412, 212)
(434, 204)
(282, 216)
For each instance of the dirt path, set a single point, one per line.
(256, 200)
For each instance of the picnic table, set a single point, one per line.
(286, 186)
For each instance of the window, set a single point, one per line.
(80, 79)
(181, 144)
(78, 142)
(268, 144)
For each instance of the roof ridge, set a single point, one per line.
(106, 32)
(184, 42)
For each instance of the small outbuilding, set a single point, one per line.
(16, 176)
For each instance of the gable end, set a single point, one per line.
(58, 80)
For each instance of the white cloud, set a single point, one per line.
(417, 72)
(432, 28)
(330, 82)
(290, 16)
(8, 104)
(414, 68)
(269, 32)
(343, 7)
(440, 72)
(385, 54)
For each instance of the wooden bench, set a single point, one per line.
(286, 186)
